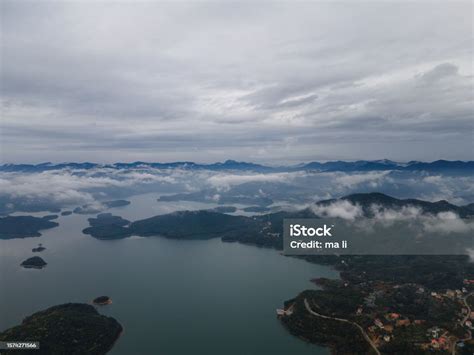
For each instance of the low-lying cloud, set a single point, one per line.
(69, 187)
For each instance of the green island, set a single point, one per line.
(102, 300)
(71, 328)
(38, 249)
(23, 226)
(34, 262)
(107, 226)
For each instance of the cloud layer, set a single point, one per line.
(108, 81)
(293, 190)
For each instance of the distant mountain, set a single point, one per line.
(470, 207)
(441, 165)
(31, 168)
(227, 165)
(347, 166)
(224, 198)
(360, 165)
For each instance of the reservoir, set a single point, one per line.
(171, 296)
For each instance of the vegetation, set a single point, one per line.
(71, 328)
(102, 300)
(107, 219)
(34, 262)
(342, 338)
(408, 304)
(108, 226)
(23, 226)
(38, 249)
(225, 209)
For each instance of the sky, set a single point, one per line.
(268, 82)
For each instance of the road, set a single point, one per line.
(469, 337)
(364, 334)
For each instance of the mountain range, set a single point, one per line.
(347, 166)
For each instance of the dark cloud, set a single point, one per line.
(203, 81)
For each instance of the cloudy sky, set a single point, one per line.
(265, 82)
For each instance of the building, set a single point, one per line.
(393, 316)
(434, 332)
(282, 312)
(402, 322)
(450, 293)
(434, 344)
(443, 343)
(420, 290)
(378, 323)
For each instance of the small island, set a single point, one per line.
(116, 203)
(34, 262)
(66, 213)
(71, 328)
(102, 300)
(38, 249)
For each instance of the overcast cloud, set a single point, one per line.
(265, 82)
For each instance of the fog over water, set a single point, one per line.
(69, 188)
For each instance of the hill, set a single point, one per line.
(71, 328)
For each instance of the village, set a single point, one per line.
(386, 327)
(390, 315)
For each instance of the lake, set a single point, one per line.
(171, 296)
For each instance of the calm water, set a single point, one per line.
(172, 297)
